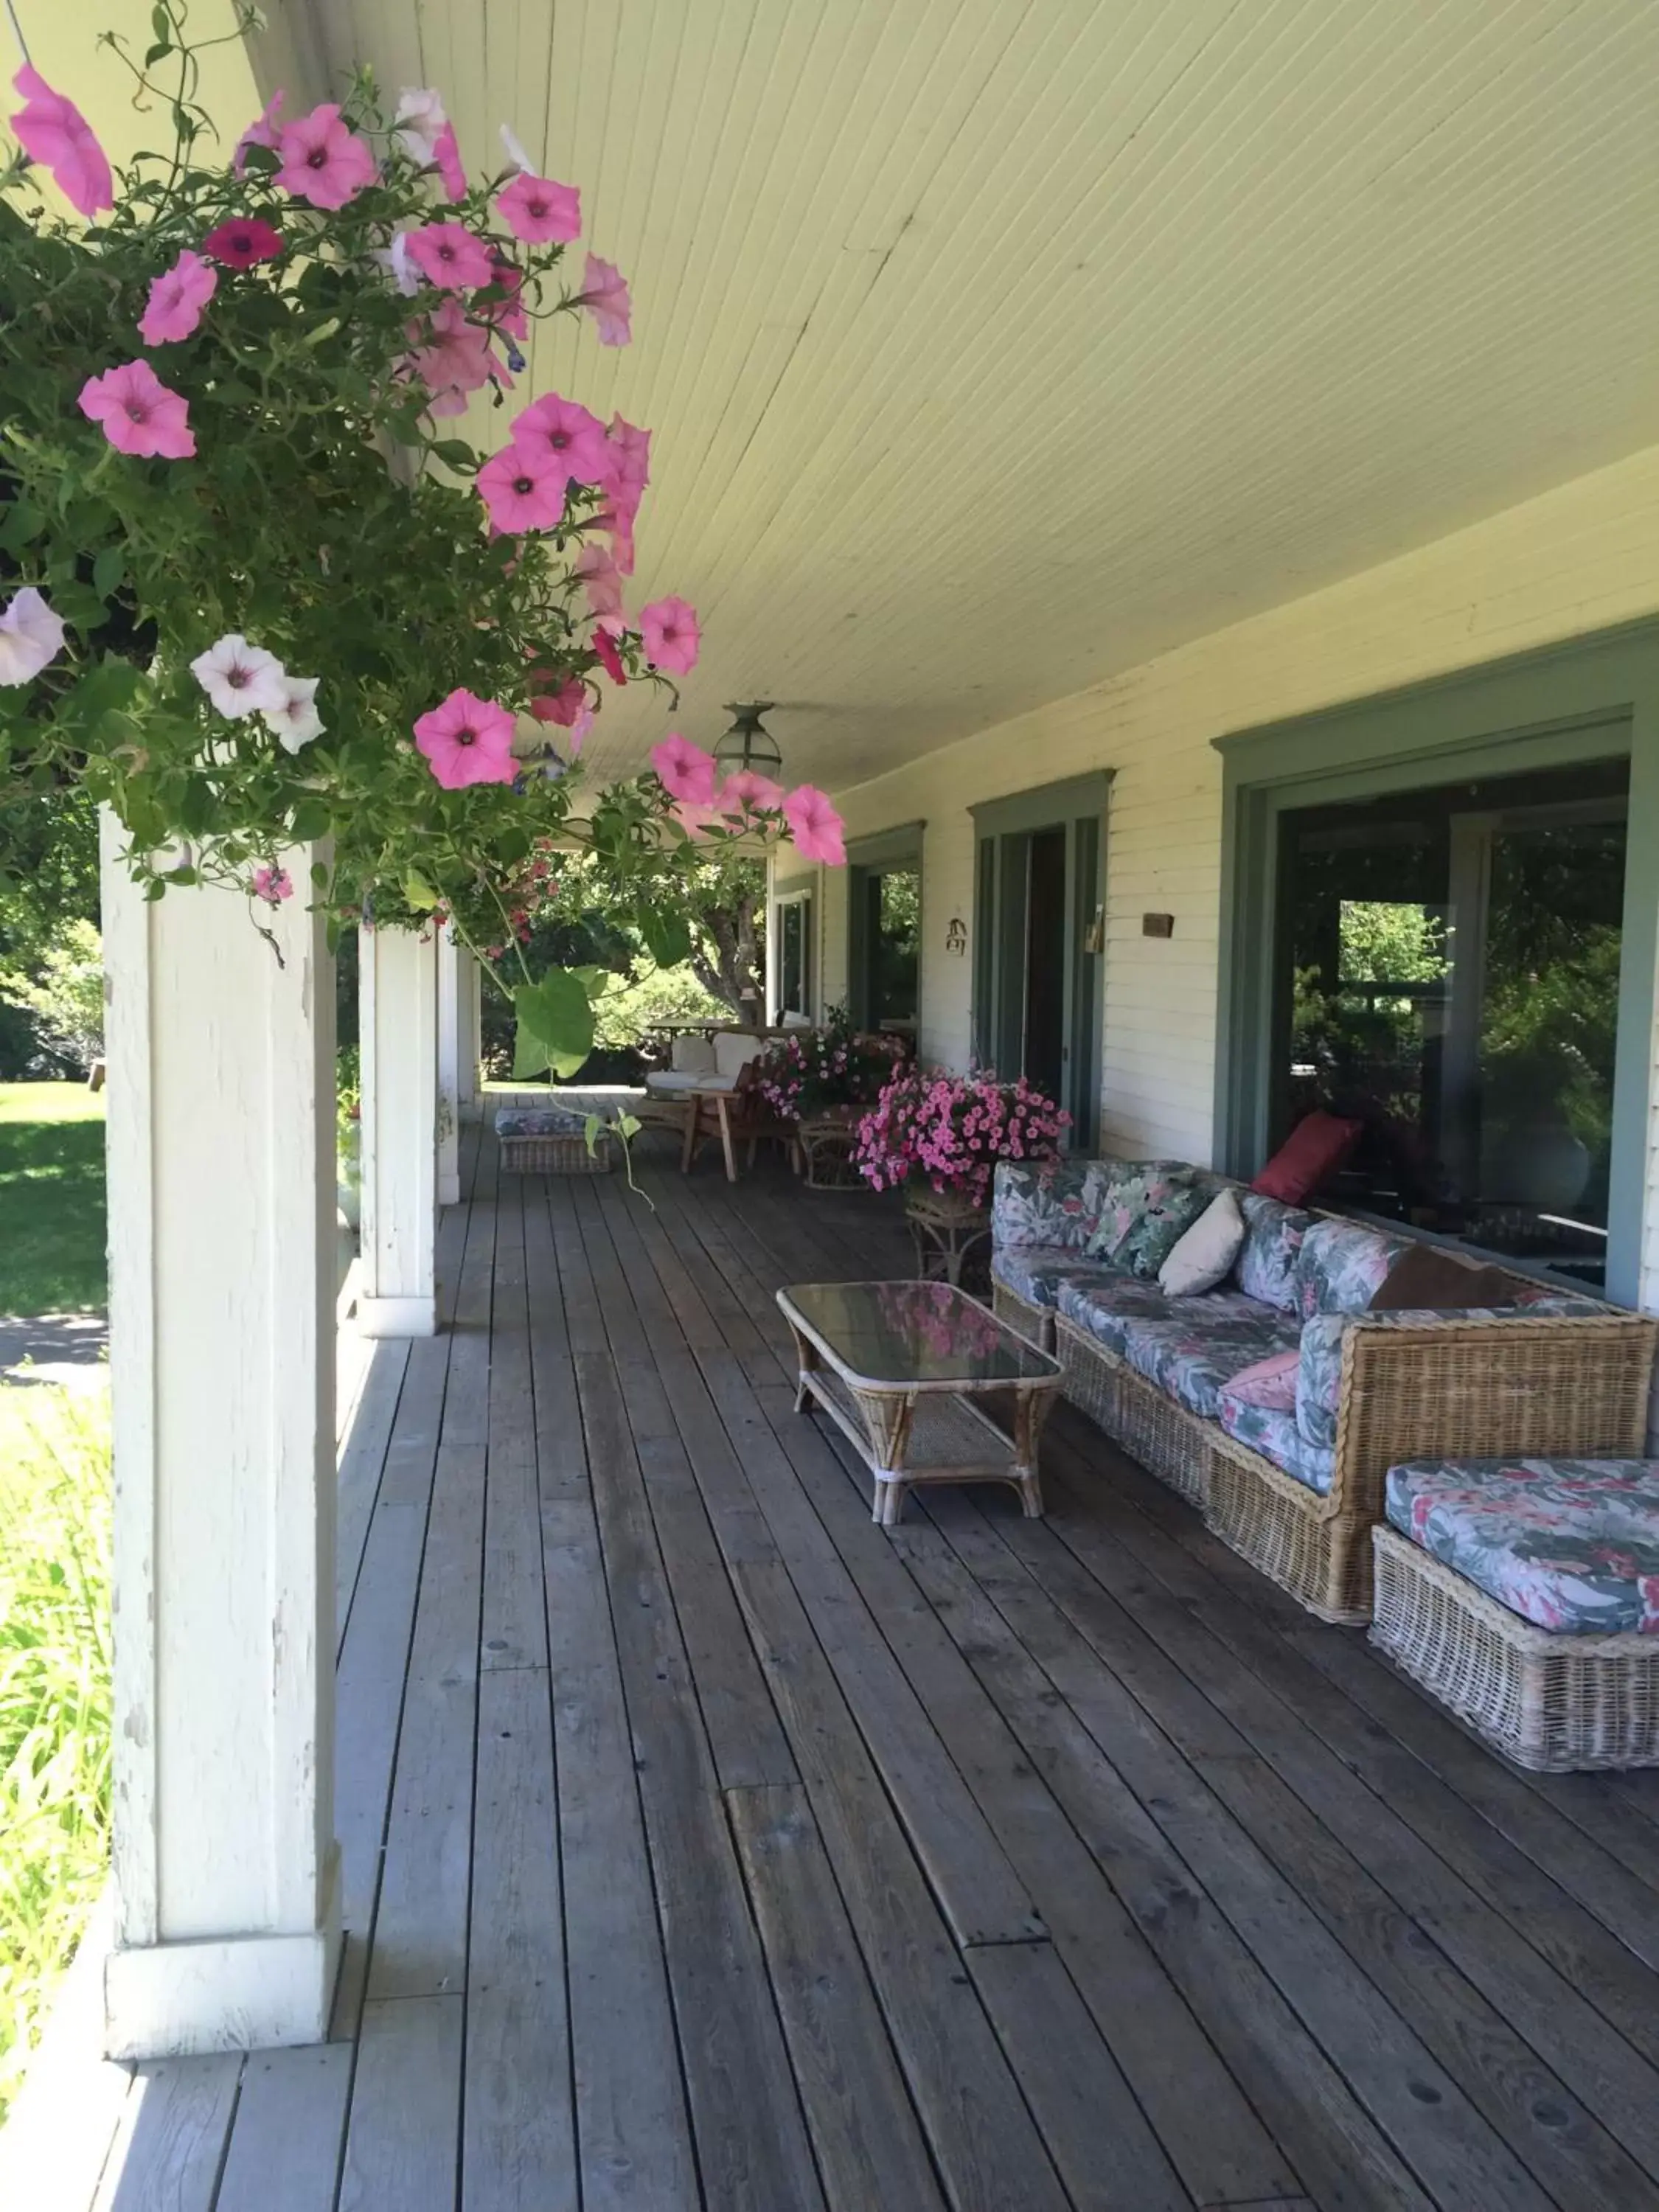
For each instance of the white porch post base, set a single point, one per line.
(450, 1012)
(219, 1049)
(398, 1029)
(241, 1993)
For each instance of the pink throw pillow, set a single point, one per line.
(1270, 1382)
(1313, 1153)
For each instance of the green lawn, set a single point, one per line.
(51, 1198)
(54, 1696)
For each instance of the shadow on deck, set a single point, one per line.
(706, 1846)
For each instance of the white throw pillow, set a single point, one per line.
(692, 1055)
(734, 1050)
(1204, 1256)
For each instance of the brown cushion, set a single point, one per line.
(1423, 1275)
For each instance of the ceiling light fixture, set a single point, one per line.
(747, 743)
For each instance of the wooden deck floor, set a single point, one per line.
(707, 1846)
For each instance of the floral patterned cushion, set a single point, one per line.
(1129, 1189)
(1342, 1267)
(1319, 1376)
(1192, 1356)
(1271, 1430)
(1150, 1239)
(540, 1122)
(1057, 1205)
(1106, 1302)
(1273, 1239)
(1568, 1544)
(1036, 1272)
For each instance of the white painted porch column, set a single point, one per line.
(221, 1145)
(450, 1019)
(471, 1025)
(397, 1036)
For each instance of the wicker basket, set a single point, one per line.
(1171, 1443)
(556, 1155)
(1552, 1702)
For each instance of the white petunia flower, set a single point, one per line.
(30, 636)
(418, 124)
(296, 721)
(515, 153)
(241, 678)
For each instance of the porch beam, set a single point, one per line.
(398, 1028)
(219, 1047)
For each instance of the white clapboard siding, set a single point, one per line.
(1575, 559)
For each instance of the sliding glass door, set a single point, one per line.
(1447, 970)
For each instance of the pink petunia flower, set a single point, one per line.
(140, 414)
(696, 821)
(749, 788)
(451, 356)
(265, 129)
(563, 706)
(610, 659)
(31, 635)
(599, 578)
(815, 828)
(568, 433)
(52, 131)
(322, 161)
(272, 884)
(242, 242)
(177, 298)
(449, 256)
(467, 740)
(508, 316)
(604, 294)
(447, 155)
(669, 628)
(522, 488)
(579, 730)
(540, 212)
(687, 772)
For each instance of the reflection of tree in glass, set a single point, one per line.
(1550, 1015)
(895, 953)
(1363, 1032)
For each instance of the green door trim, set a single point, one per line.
(1587, 699)
(1048, 806)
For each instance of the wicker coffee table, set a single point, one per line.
(926, 1384)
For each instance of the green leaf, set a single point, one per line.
(160, 21)
(667, 937)
(418, 892)
(554, 1024)
(21, 523)
(453, 452)
(310, 820)
(158, 52)
(628, 1126)
(591, 1129)
(108, 570)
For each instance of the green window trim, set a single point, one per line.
(1587, 698)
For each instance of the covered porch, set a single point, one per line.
(704, 1844)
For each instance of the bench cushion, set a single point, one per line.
(1192, 1355)
(1342, 1267)
(1036, 1272)
(1267, 1425)
(540, 1122)
(1104, 1303)
(1057, 1205)
(1273, 1240)
(1567, 1544)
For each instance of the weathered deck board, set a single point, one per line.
(706, 1847)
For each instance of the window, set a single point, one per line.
(890, 944)
(1447, 970)
(793, 917)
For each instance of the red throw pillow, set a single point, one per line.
(1313, 1152)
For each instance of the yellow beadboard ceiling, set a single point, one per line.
(991, 346)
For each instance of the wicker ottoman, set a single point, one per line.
(549, 1140)
(1523, 1595)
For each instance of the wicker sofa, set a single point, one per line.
(1297, 1490)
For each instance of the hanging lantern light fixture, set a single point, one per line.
(748, 744)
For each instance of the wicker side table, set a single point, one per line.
(828, 1144)
(948, 1230)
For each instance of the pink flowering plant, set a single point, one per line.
(291, 553)
(811, 1072)
(949, 1131)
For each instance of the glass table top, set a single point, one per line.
(897, 1335)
